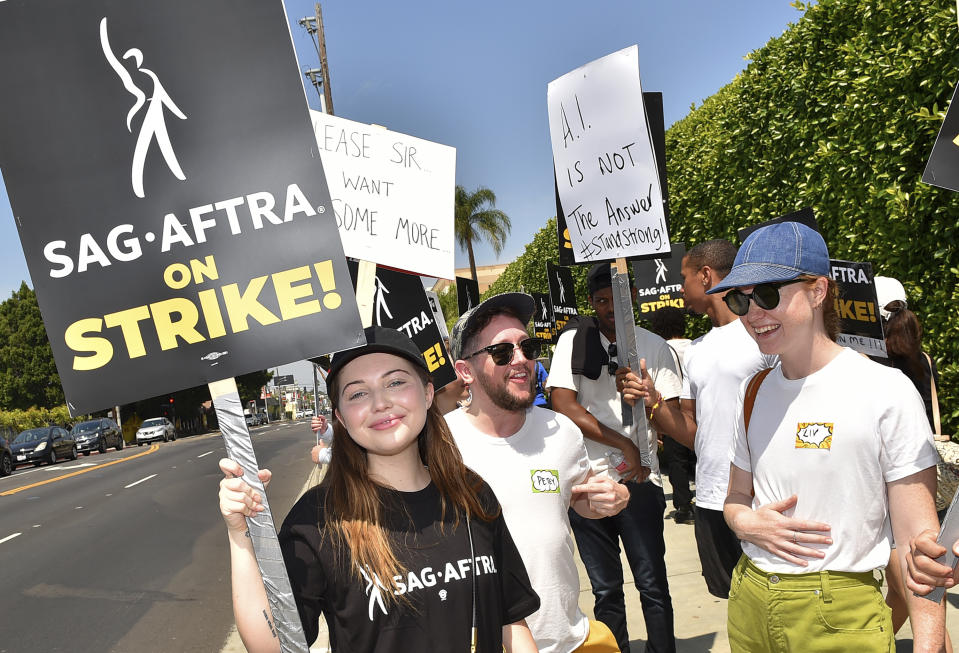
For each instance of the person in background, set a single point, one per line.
(541, 399)
(830, 450)
(669, 323)
(401, 547)
(585, 379)
(715, 366)
(903, 336)
(321, 452)
(535, 461)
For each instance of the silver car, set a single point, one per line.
(157, 428)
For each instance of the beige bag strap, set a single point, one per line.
(935, 397)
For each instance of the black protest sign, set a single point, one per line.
(562, 294)
(467, 294)
(804, 216)
(543, 322)
(400, 302)
(942, 168)
(657, 130)
(860, 326)
(659, 281)
(174, 214)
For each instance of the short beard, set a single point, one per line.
(501, 397)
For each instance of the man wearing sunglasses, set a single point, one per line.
(534, 460)
(583, 380)
(716, 365)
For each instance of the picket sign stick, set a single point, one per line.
(626, 349)
(266, 546)
(948, 534)
(366, 291)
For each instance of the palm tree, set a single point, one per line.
(476, 219)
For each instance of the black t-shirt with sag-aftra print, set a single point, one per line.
(437, 583)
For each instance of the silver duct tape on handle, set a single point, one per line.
(948, 534)
(266, 546)
(627, 354)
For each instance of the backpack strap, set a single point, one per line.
(752, 389)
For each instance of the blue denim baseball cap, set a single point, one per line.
(777, 252)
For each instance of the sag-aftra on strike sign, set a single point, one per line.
(164, 178)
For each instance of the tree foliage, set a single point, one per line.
(476, 218)
(28, 375)
(839, 114)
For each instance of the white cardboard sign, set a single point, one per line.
(605, 166)
(392, 194)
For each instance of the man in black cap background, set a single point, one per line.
(534, 460)
(583, 379)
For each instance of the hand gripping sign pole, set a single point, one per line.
(627, 349)
(266, 546)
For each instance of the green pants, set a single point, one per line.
(818, 612)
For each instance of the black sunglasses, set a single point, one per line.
(612, 365)
(502, 352)
(765, 295)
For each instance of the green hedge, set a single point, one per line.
(838, 114)
(14, 421)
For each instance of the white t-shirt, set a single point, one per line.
(604, 402)
(870, 427)
(716, 364)
(532, 473)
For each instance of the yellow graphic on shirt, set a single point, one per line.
(814, 435)
(545, 480)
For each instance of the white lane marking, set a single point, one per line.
(10, 537)
(36, 525)
(204, 454)
(138, 482)
(79, 508)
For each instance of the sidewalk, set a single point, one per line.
(700, 618)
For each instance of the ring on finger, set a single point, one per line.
(796, 537)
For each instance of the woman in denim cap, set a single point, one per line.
(830, 449)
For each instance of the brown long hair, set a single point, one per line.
(830, 306)
(354, 508)
(904, 339)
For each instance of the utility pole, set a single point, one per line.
(324, 66)
(314, 27)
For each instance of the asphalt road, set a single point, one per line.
(129, 557)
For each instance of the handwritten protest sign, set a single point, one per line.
(659, 281)
(859, 323)
(544, 324)
(562, 294)
(392, 194)
(605, 168)
(166, 253)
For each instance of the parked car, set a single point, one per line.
(308, 412)
(157, 428)
(97, 434)
(253, 419)
(44, 444)
(6, 458)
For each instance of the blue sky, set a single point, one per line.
(474, 76)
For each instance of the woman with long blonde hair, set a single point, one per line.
(401, 547)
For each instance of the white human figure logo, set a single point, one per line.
(374, 587)
(660, 271)
(153, 125)
(562, 289)
(545, 313)
(381, 292)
